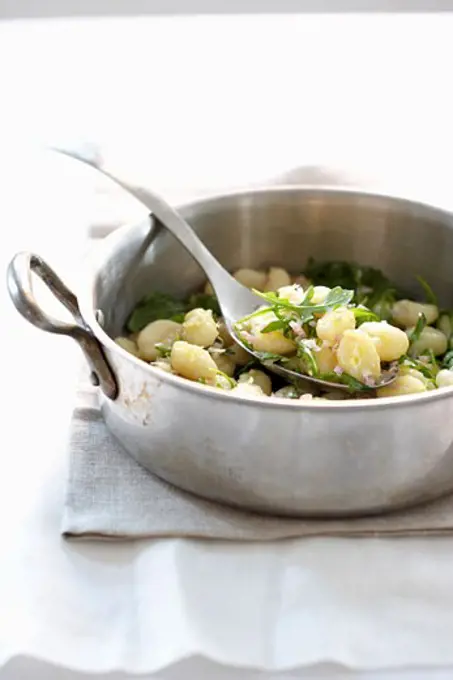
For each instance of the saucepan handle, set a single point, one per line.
(19, 281)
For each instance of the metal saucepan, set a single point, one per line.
(339, 458)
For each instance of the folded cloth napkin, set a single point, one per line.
(111, 496)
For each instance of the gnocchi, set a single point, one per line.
(331, 327)
(162, 332)
(193, 362)
(405, 313)
(430, 340)
(127, 344)
(357, 356)
(391, 342)
(277, 278)
(444, 378)
(311, 323)
(199, 328)
(225, 363)
(404, 384)
(256, 377)
(251, 278)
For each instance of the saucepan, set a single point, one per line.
(275, 456)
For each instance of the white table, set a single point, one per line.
(70, 603)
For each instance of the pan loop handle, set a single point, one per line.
(20, 288)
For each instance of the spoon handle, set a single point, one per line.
(170, 218)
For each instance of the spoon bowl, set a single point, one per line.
(235, 300)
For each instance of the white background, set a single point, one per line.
(47, 8)
(190, 105)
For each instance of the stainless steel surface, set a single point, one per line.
(342, 458)
(21, 291)
(235, 300)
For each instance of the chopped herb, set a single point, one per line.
(231, 381)
(425, 369)
(164, 306)
(416, 333)
(204, 301)
(268, 356)
(247, 367)
(308, 359)
(164, 350)
(363, 314)
(430, 297)
(335, 298)
(447, 361)
(346, 379)
(153, 307)
(370, 285)
(278, 325)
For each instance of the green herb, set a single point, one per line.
(159, 305)
(426, 370)
(163, 350)
(382, 305)
(204, 301)
(416, 333)
(363, 314)
(447, 361)
(346, 379)
(370, 285)
(429, 294)
(153, 307)
(344, 274)
(336, 297)
(268, 356)
(432, 358)
(353, 384)
(275, 326)
(231, 381)
(247, 367)
(308, 358)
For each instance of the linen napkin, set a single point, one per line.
(111, 496)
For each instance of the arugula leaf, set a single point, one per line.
(427, 370)
(382, 304)
(346, 379)
(337, 297)
(416, 333)
(430, 296)
(204, 301)
(308, 358)
(370, 285)
(363, 314)
(230, 380)
(247, 367)
(159, 305)
(275, 326)
(153, 307)
(353, 384)
(447, 361)
(343, 274)
(163, 350)
(268, 356)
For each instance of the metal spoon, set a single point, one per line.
(235, 300)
